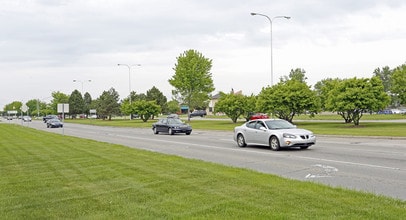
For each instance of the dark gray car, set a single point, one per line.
(171, 126)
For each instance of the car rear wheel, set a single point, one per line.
(241, 140)
(274, 143)
(155, 130)
(188, 133)
(170, 131)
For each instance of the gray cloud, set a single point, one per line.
(77, 38)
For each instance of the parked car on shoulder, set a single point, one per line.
(54, 123)
(275, 133)
(198, 113)
(171, 126)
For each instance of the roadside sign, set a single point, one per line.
(24, 108)
(63, 108)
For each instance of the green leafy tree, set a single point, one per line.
(399, 83)
(58, 98)
(233, 105)
(287, 99)
(14, 106)
(353, 97)
(41, 108)
(76, 103)
(145, 109)
(192, 79)
(32, 106)
(126, 108)
(323, 89)
(87, 98)
(135, 97)
(107, 104)
(385, 74)
(173, 107)
(250, 107)
(155, 95)
(296, 74)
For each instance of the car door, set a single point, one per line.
(250, 132)
(161, 126)
(262, 134)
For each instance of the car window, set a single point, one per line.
(164, 121)
(251, 124)
(259, 125)
(174, 121)
(279, 124)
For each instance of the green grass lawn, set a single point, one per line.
(321, 126)
(50, 176)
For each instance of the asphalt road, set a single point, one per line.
(376, 165)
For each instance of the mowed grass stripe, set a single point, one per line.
(46, 175)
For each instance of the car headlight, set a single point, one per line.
(286, 135)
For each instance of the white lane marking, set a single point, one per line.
(349, 163)
(268, 153)
(320, 171)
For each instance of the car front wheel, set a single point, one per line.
(170, 131)
(155, 130)
(274, 143)
(241, 141)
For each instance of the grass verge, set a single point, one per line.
(318, 127)
(46, 175)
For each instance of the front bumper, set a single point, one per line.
(300, 141)
(181, 130)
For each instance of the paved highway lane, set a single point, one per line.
(376, 165)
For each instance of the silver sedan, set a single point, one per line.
(275, 133)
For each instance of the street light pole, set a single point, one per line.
(82, 83)
(84, 103)
(270, 23)
(129, 76)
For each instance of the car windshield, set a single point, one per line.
(279, 124)
(174, 121)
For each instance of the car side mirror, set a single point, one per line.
(263, 128)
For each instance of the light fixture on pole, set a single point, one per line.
(270, 22)
(81, 81)
(129, 76)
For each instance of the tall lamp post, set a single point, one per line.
(129, 75)
(270, 23)
(80, 81)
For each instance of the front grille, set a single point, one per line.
(305, 136)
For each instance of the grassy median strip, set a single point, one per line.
(46, 175)
(366, 128)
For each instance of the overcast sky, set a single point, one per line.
(46, 44)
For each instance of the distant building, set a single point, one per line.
(214, 100)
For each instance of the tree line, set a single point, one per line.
(193, 85)
(349, 98)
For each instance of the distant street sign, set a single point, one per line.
(63, 108)
(24, 108)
